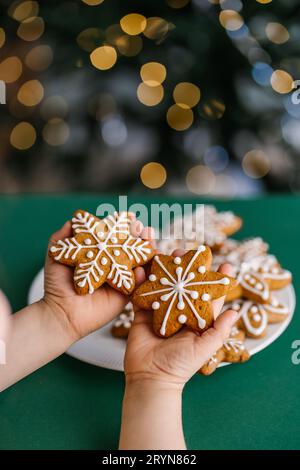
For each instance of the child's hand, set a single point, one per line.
(81, 314)
(175, 360)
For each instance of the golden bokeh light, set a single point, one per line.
(23, 136)
(113, 33)
(281, 81)
(129, 46)
(180, 118)
(212, 109)
(186, 95)
(157, 28)
(10, 69)
(93, 3)
(177, 3)
(56, 132)
(277, 33)
(153, 175)
(2, 37)
(90, 38)
(39, 58)
(150, 95)
(104, 57)
(256, 164)
(20, 11)
(200, 180)
(133, 24)
(31, 93)
(264, 1)
(153, 73)
(31, 29)
(231, 20)
(54, 107)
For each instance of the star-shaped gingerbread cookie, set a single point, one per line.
(102, 251)
(180, 291)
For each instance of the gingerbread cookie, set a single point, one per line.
(253, 317)
(273, 273)
(123, 323)
(180, 291)
(102, 251)
(252, 286)
(276, 311)
(233, 351)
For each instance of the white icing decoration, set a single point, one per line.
(262, 292)
(201, 269)
(101, 234)
(152, 277)
(104, 261)
(87, 241)
(254, 309)
(194, 294)
(53, 249)
(117, 252)
(205, 297)
(245, 310)
(182, 319)
(155, 305)
(178, 287)
(257, 317)
(177, 260)
(234, 344)
(90, 254)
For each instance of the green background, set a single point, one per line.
(71, 405)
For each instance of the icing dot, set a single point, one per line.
(53, 249)
(254, 309)
(182, 319)
(177, 260)
(104, 261)
(257, 317)
(81, 283)
(90, 254)
(201, 269)
(205, 297)
(259, 286)
(155, 305)
(236, 307)
(100, 234)
(191, 276)
(78, 215)
(164, 281)
(180, 305)
(87, 241)
(201, 248)
(252, 281)
(165, 297)
(247, 277)
(194, 294)
(123, 316)
(127, 324)
(114, 239)
(265, 295)
(275, 270)
(152, 277)
(274, 302)
(116, 252)
(225, 281)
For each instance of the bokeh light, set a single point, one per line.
(114, 131)
(177, 3)
(93, 3)
(261, 73)
(56, 132)
(10, 69)
(39, 58)
(20, 11)
(231, 5)
(277, 33)
(54, 106)
(133, 24)
(281, 81)
(231, 20)
(256, 164)
(212, 109)
(104, 57)
(23, 136)
(216, 158)
(31, 93)
(150, 95)
(180, 118)
(2, 37)
(31, 28)
(90, 38)
(153, 175)
(153, 73)
(186, 95)
(200, 180)
(264, 1)
(156, 29)
(129, 46)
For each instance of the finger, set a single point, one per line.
(140, 275)
(218, 304)
(64, 232)
(136, 228)
(148, 233)
(212, 339)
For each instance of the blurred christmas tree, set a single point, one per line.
(179, 96)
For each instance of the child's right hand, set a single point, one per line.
(173, 361)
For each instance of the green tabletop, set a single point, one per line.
(72, 405)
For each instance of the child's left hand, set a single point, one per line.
(81, 314)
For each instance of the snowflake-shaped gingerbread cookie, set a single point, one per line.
(180, 291)
(102, 251)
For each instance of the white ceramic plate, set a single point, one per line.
(102, 349)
